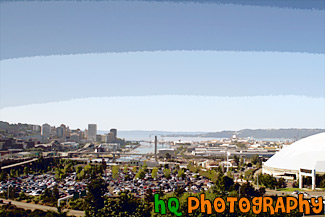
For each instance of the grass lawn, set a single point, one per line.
(299, 189)
(289, 189)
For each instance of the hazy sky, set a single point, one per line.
(163, 65)
(177, 113)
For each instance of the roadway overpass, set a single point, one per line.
(18, 164)
(27, 162)
(105, 153)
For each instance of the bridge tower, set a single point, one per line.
(156, 143)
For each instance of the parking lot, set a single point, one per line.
(192, 182)
(36, 184)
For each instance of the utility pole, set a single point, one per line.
(156, 143)
(8, 186)
(228, 153)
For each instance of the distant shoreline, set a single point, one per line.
(282, 134)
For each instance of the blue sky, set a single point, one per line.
(73, 27)
(201, 73)
(163, 65)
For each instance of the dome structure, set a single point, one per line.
(307, 153)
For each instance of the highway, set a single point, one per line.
(44, 208)
(18, 164)
(104, 153)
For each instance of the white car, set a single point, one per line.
(306, 194)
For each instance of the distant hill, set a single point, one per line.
(260, 133)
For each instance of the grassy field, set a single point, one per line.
(290, 189)
(299, 189)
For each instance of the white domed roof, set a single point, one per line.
(307, 153)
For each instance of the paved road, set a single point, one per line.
(18, 164)
(44, 208)
(282, 193)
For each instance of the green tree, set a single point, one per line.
(81, 175)
(145, 166)
(22, 196)
(87, 168)
(281, 183)
(67, 168)
(247, 190)
(262, 191)
(148, 197)
(56, 193)
(78, 169)
(3, 175)
(167, 173)
(181, 173)
(154, 172)
(115, 172)
(140, 175)
(213, 175)
(26, 171)
(267, 180)
(125, 168)
(95, 197)
(12, 173)
(125, 205)
(58, 173)
(47, 196)
(168, 156)
(192, 167)
(255, 159)
(77, 204)
(179, 191)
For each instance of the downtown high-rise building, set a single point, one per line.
(60, 132)
(46, 130)
(92, 132)
(114, 132)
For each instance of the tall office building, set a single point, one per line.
(46, 130)
(114, 131)
(92, 132)
(110, 137)
(60, 132)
